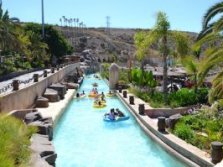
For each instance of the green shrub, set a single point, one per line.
(183, 97)
(201, 142)
(202, 95)
(14, 141)
(184, 132)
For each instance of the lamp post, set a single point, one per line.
(43, 31)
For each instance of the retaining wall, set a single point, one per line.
(167, 112)
(25, 97)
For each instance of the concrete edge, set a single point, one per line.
(166, 147)
(62, 110)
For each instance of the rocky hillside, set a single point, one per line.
(117, 44)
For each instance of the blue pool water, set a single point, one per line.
(83, 139)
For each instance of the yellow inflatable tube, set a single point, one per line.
(99, 106)
(92, 95)
(110, 95)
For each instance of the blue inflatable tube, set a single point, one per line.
(117, 119)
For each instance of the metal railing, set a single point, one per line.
(9, 86)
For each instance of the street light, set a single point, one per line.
(43, 32)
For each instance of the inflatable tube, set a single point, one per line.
(92, 95)
(99, 106)
(110, 95)
(80, 97)
(117, 118)
(102, 102)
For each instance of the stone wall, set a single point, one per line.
(167, 112)
(25, 97)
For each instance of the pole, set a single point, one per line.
(43, 31)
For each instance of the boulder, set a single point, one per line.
(113, 75)
(32, 116)
(51, 158)
(43, 147)
(37, 161)
(70, 85)
(44, 128)
(172, 120)
(61, 89)
(42, 102)
(51, 95)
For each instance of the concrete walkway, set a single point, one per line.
(189, 151)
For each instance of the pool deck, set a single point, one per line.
(186, 152)
(56, 109)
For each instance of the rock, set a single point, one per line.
(51, 159)
(51, 95)
(70, 85)
(42, 102)
(113, 75)
(61, 89)
(172, 120)
(40, 139)
(32, 116)
(43, 147)
(37, 161)
(44, 128)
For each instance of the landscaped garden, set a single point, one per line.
(199, 58)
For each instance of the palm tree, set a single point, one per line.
(211, 38)
(61, 22)
(192, 67)
(161, 35)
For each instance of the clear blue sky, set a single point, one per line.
(183, 14)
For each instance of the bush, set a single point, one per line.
(184, 132)
(202, 95)
(14, 141)
(183, 97)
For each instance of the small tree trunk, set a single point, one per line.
(142, 68)
(195, 83)
(165, 54)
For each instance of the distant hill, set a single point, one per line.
(117, 43)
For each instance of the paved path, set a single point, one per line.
(24, 77)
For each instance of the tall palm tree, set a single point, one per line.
(211, 37)
(161, 36)
(61, 22)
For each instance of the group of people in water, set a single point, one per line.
(94, 90)
(114, 113)
(100, 99)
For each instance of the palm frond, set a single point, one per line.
(209, 38)
(213, 57)
(211, 13)
(205, 31)
(217, 88)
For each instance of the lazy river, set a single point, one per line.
(83, 139)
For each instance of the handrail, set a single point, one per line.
(27, 81)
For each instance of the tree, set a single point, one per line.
(57, 44)
(192, 67)
(210, 38)
(7, 35)
(161, 36)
